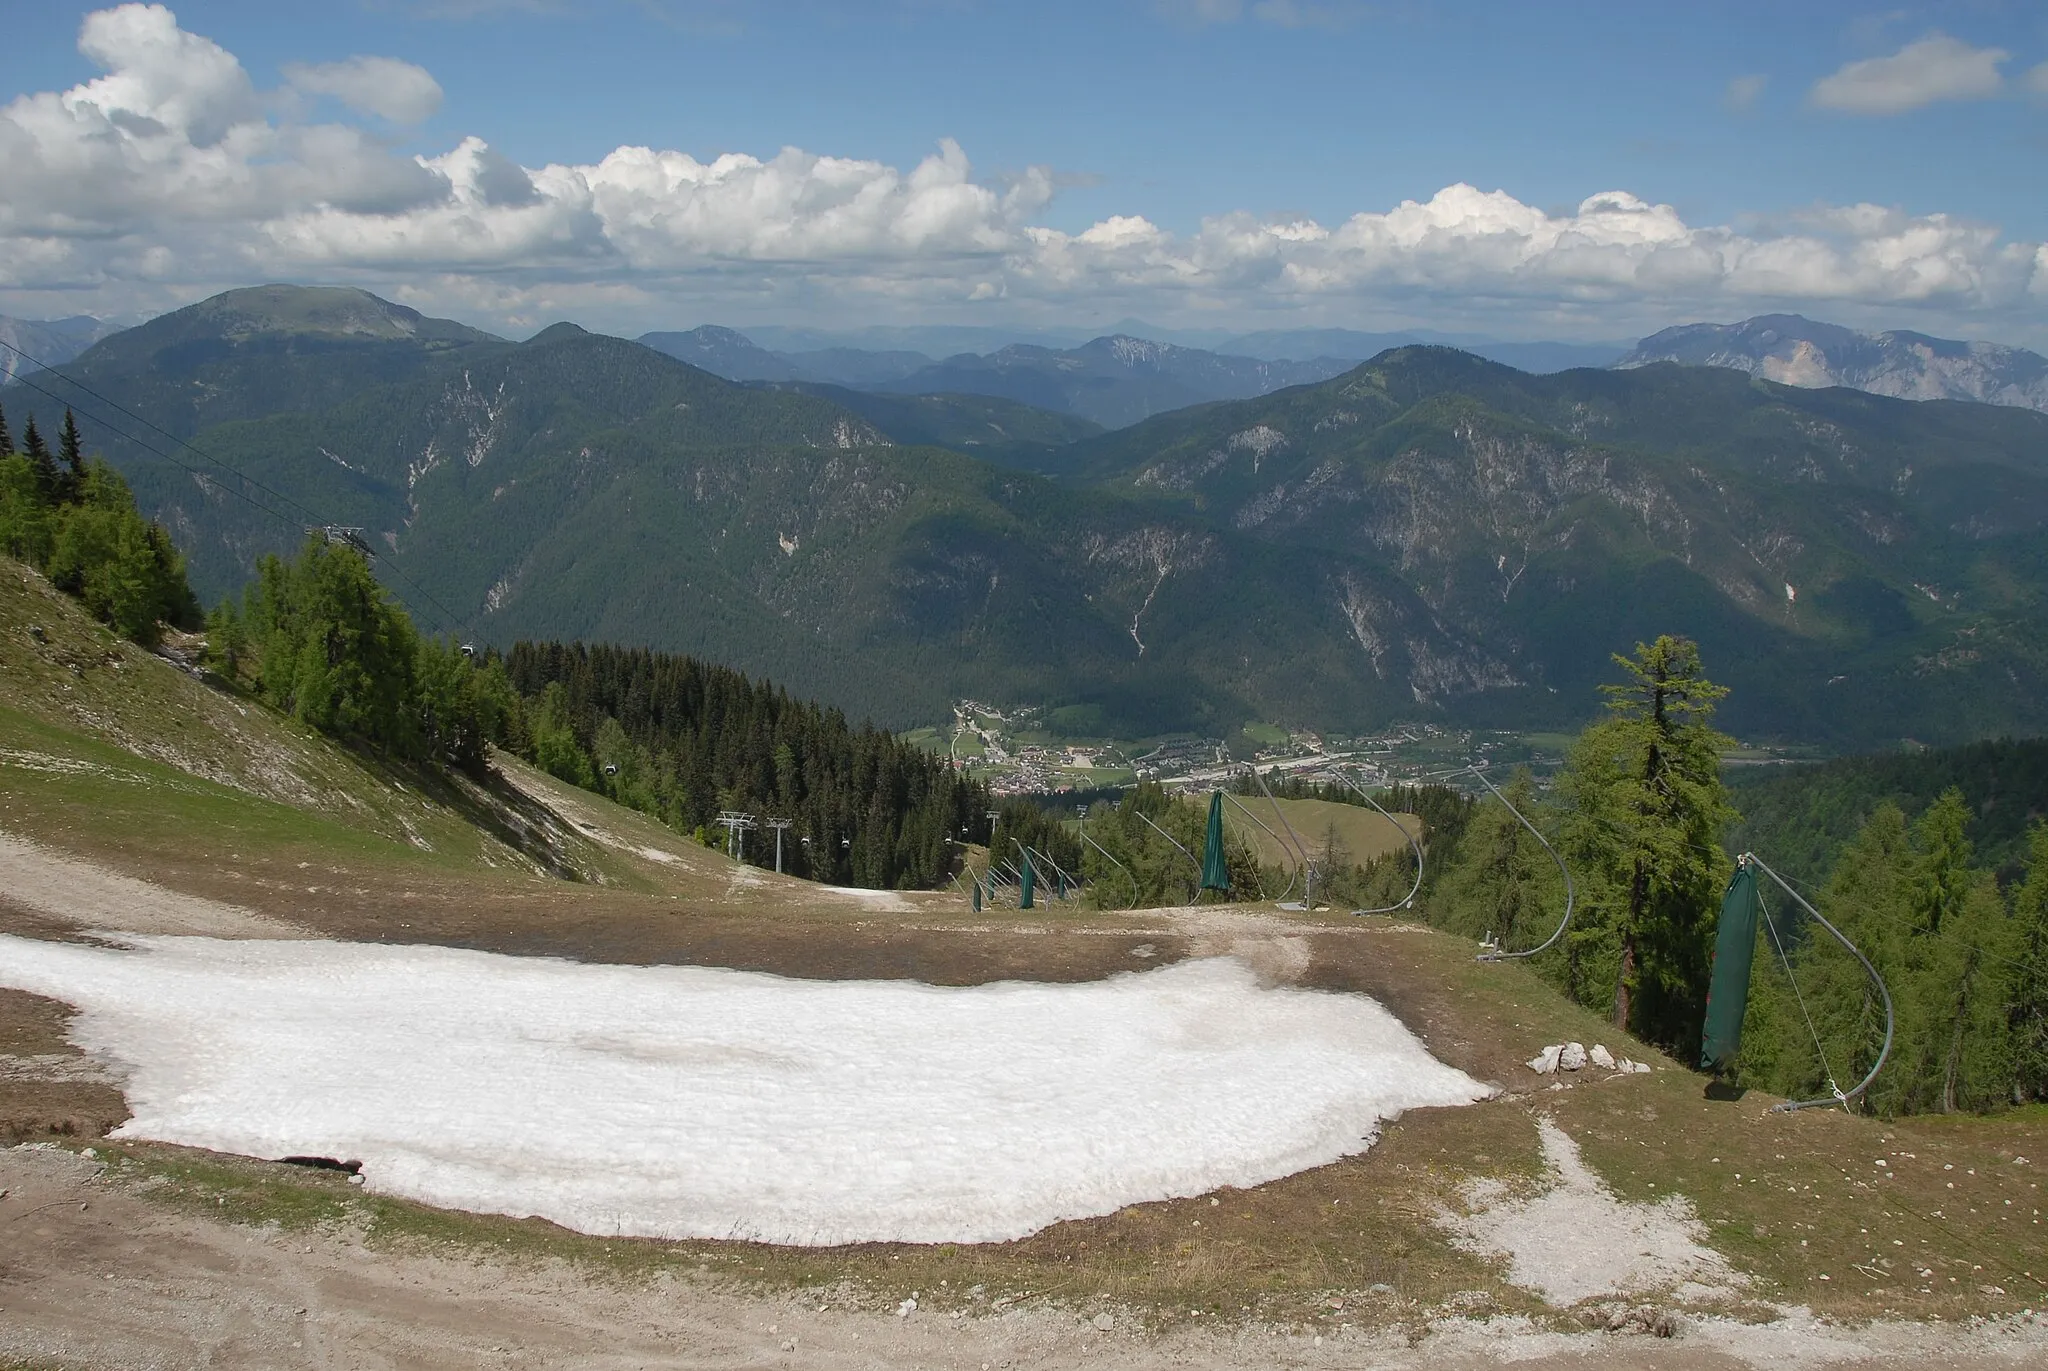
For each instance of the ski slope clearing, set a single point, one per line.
(683, 1102)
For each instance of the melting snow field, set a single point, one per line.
(693, 1102)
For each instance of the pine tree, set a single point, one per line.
(71, 480)
(40, 461)
(6, 438)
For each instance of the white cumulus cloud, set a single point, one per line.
(172, 175)
(383, 86)
(1932, 69)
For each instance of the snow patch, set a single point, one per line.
(700, 1102)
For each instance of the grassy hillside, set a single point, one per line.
(1348, 835)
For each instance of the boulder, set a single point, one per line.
(1572, 1057)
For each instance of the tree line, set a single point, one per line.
(1639, 812)
(683, 740)
(74, 519)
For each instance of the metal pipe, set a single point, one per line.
(1292, 875)
(1414, 843)
(1183, 851)
(1042, 857)
(1136, 892)
(1841, 1097)
(1308, 870)
(1570, 896)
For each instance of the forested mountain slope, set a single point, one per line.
(1427, 535)
(1799, 818)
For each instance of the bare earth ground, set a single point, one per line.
(1464, 1237)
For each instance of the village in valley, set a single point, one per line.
(1017, 753)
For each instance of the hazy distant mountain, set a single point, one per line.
(724, 352)
(1800, 352)
(1113, 381)
(1353, 346)
(52, 341)
(933, 340)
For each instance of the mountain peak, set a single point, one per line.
(1796, 351)
(555, 333)
(330, 311)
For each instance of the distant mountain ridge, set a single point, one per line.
(50, 341)
(1110, 381)
(1425, 535)
(1796, 351)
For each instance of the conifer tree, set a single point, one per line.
(40, 461)
(6, 438)
(1645, 788)
(2029, 972)
(70, 480)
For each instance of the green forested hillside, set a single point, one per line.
(1003, 431)
(1800, 818)
(263, 350)
(1429, 535)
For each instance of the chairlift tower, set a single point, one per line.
(779, 825)
(346, 537)
(736, 825)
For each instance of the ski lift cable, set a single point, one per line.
(1414, 842)
(192, 471)
(1570, 893)
(1841, 1097)
(449, 616)
(1771, 926)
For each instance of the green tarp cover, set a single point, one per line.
(1030, 884)
(1215, 871)
(1734, 952)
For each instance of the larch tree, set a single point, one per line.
(1647, 808)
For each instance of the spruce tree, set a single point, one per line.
(71, 480)
(40, 461)
(6, 438)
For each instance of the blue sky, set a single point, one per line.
(1198, 162)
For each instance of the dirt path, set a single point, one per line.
(91, 897)
(92, 1275)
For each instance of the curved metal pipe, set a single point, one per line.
(1177, 847)
(1841, 1097)
(1036, 855)
(1414, 843)
(1136, 893)
(1308, 870)
(1270, 834)
(1570, 896)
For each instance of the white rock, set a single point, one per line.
(1572, 1057)
(906, 1309)
(1601, 1057)
(1545, 1062)
(1104, 1322)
